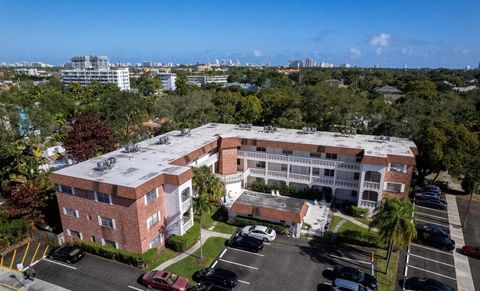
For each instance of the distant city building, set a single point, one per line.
(202, 79)
(345, 66)
(390, 93)
(295, 64)
(168, 81)
(90, 62)
(27, 71)
(326, 65)
(376, 66)
(309, 63)
(465, 89)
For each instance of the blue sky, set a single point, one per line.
(436, 33)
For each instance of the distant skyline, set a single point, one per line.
(416, 33)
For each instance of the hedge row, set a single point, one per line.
(309, 193)
(12, 231)
(111, 253)
(356, 211)
(181, 243)
(278, 227)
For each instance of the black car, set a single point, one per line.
(435, 240)
(203, 287)
(432, 229)
(216, 276)
(68, 254)
(355, 275)
(431, 203)
(246, 242)
(427, 195)
(416, 283)
(429, 188)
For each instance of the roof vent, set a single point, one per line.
(309, 130)
(269, 129)
(244, 126)
(106, 164)
(164, 140)
(185, 132)
(132, 148)
(212, 125)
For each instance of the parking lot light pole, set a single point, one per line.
(464, 224)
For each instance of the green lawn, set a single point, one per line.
(355, 234)
(334, 222)
(386, 282)
(362, 220)
(153, 258)
(190, 265)
(214, 218)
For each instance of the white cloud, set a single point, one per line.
(355, 52)
(379, 50)
(381, 40)
(257, 53)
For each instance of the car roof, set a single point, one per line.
(161, 274)
(66, 249)
(346, 283)
(261, 228)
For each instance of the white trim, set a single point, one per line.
(95, 196)
(77, 214)
(65, 211)
(103, 242)
(109, 197)
(114, 223)
(99, 220)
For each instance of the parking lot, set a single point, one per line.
(426, 261)
(290, 264)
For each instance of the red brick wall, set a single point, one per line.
(227, 161)
(398, 177)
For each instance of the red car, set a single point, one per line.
(164, 281)
(471, 251)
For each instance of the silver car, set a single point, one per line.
(343, 285)
(258, 231)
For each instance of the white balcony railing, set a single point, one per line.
(299, 177)
(257, 172)
(323, 180)
(186, 204)
(291, 159)
(187, 224)
(232, 178)
(278, 174)
(368, 204)
(346, 183)
(371, 185)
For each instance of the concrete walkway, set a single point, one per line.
(337, 227)
(462, 266)
(206, 234)
(13, 281)
(354, 221)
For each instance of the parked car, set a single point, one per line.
(216, 276)
(427, 195)
(246, 242)
(355, 275)
(431, 203)
(258, 231)
(344, 285)
(164, 281)
(203, 287)
(432, 229)
(435, 240)
(68, 254)
(471, 251)
(429, 188)
(416, 283)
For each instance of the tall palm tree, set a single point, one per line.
(394, 220)
(200, 205)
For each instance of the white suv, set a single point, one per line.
(258, 231)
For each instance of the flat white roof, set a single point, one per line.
(152, 159)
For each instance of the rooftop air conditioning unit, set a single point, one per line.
(164, 140)
(185, 132)
(131, 148)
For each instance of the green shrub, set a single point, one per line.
(111, 253)
(12, 231)
(278, 227)
(361, 238)
(356, 211)
(309, 193)
(182, 243)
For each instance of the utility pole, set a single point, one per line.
(464, 224)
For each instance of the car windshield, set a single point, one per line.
(269, 230)
(172, 279)
(361, 288)
(74, 252)
(251, 228)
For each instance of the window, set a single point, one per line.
(284, 167)
(316, 155)
(238, 162)
(260, 165)
(107, 242)
(356, 176)
(329, 173)
(260, 149)
(316, 171)
(106, 221)
(156, 241)
(394, 167)
(70, 212)
(74, 233)
(185, 194)
(331, 156)
(288, 153)
(394, 187)
(102, 197)
(94, 239)
(65, 189)
(354, 193)
(150, 196)
(152, 220)
(358, 158)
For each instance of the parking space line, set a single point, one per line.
(266, 243)
(244, 282)
(431, 215)
(428, 259)
(444, 224)
(67, 266)
(438, 274)
(348, 259)
(135, 288)
(238, 264)
(224, 251)
(422, 207)
(432, 249)
(214, 264)
(233, 249)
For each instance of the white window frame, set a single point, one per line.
(160, 240)
(150, 222)
(60, 186)
(69, 232)
(156, 196)
(77, 215)
(104, 243)
(402, 187)
(113, 222)
(403, 169)
(109, 197)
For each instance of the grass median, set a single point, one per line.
(191, 264)
(214, 221)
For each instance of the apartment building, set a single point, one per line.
(134, 198)
(203, 79)
(168, 81)
(90, 62)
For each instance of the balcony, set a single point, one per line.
(257, 172)
(288, 159)
(299, 177)
(233, 178)
(278, 174)
(186, 203)
(187, 223)
(352, 184)
(322, 180)
(368, 204)
(371, 185)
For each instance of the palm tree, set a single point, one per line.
(207, 184)
(200, 205)
(394, 221)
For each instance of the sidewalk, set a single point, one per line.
(462, 266)
(354, 221)
(206, 234)
(13, 281)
